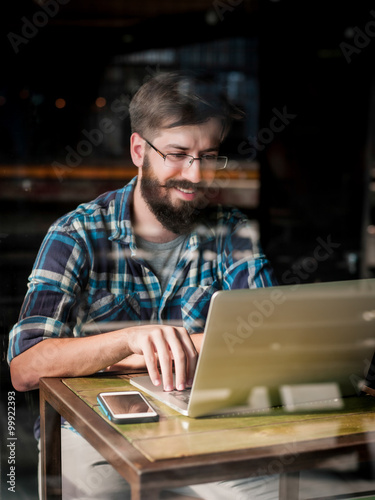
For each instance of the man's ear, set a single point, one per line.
(137, 149)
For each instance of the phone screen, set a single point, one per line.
(123, 404)
(127, 407)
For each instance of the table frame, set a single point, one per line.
(147, 478)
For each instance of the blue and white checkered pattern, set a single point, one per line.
(89, 272)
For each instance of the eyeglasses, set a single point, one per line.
(181, 160)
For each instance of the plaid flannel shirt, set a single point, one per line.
(89, 273)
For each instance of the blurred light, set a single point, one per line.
(368, 315)
(24, 94)
(211, 17)
(349, 32)
(60, 103)
(100, 102)
(37, 99)
(27, 185)
(2, 100)
(275, 346)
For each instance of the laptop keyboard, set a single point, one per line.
(181, 395)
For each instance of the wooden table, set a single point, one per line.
(178, 451)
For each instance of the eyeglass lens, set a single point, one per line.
(185, 161)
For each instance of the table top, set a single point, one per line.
(177, 436)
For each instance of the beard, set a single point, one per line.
(179, 219)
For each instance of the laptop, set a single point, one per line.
(298, 346)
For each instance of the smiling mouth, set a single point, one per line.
(187, 188)
(186, 191)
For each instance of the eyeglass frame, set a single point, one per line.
(184, 154)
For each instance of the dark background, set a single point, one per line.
(315, 173)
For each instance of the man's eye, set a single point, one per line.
(209, 157)
(176, 156)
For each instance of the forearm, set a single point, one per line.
(67, 357)
(76, 357)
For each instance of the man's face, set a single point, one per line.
(176, 195)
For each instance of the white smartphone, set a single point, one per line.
(126, 407)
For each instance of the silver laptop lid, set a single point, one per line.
(264, 340)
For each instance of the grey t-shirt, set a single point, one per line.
(162, 258)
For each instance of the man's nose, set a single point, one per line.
(193, 173)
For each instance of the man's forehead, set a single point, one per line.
(211, 128)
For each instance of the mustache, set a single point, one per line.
(184, 184)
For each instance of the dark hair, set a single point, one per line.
(175, 99)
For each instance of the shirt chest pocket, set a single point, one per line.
(194, 306)
(104, 306)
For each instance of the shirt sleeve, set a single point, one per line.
(244, 264)
(48, 310)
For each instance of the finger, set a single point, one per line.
(176, 352)
(151, 362)
(185, 357)
(191, 355)
(180, 361)
(162, 349)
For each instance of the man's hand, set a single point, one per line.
(165, 343)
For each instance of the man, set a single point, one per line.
(152, 253)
